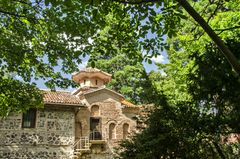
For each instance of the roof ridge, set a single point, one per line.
(102, 88)
(61, 97)
(91, 69)
(49, 90)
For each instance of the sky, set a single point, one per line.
(149, 67)
(162, 58)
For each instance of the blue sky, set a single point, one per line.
(149, 67)
(162, 58)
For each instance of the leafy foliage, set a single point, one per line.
(200, 96)
(18, 96)
(128, 77)
(37, 36)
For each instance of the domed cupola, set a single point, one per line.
(91, 77)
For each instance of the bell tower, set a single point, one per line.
(91, 78)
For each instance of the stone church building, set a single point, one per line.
(85, 124)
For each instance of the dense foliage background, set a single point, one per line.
(196, 101)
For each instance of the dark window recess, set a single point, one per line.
(29, 119)
(95, 128)
(96, 82)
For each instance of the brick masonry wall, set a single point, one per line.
(51, 138)
(110, 111)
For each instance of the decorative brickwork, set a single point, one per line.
(113, 115)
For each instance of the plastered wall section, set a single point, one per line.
(52, 137)
(93, 82)
(82, 123)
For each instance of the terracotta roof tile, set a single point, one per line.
(85, 89)
(91, 70)
(232, 138)
(127, 103)
(59, 97)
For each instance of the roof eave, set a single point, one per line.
(104, 89)
(64, 104)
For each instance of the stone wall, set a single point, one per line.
(52, 136)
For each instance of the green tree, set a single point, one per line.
(128, 77)
(128, 74)
(200, 95)
(198, 109)
(38, 35)
(34, 38)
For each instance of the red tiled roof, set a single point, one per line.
(90, 69)
(91, 73)
(84, 90)
(232, 138)
(59, 97)
(127, 103)
(89, 90)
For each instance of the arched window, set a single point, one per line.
(95, 111)
(112, 131)
(125, 130)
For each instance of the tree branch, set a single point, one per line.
(209, 18)
(23, 2)
(11, 13)
(219, 150)
(135, 2)
(226, 29)
(218, 41)
(215, 10)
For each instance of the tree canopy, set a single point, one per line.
(38, 35)
(201, 94)
(129, 77)
(198, 99)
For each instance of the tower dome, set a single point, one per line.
(91, 77)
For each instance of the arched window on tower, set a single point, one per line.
(125, 130)
(112, 131)
(95, 111)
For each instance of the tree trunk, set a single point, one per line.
(219, 42)
(220, 152)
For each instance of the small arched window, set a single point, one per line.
(112, 131)
(125, 130)
(95, 111)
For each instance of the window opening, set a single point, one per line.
(29, 119)
(125, 130)
(95, 128)
(95, 111)
(112, 131)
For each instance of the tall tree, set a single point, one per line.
(37, 35)
(201, 93)
(129, 75)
